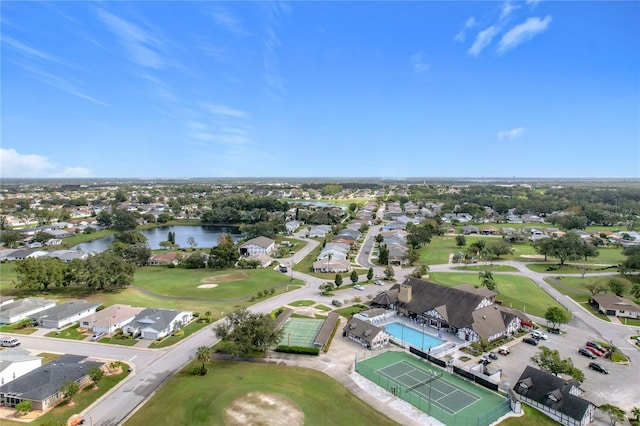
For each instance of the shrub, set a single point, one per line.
(179, 333)
(272, 291)
(298, 350)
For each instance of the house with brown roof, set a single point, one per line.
(331, 265)
(164, 259)
(258, 245)
(611, 304)
(111, 318)
(558, 398)
(469, 313)
(366, 334)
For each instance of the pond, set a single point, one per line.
(204, 236)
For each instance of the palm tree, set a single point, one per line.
(636, 413)
(202, 354)
(486, 280)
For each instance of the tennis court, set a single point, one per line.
(445, 396)
(300, 332)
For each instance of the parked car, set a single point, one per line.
(583, 351)
(10, 342)
(553, 330)
(358, 287)
(493, 355)
(379, 283)
(538, 335)
(596, 345)
(530, 341)
(597, 367)
(503, 350)
(594, 351)
(97, 336)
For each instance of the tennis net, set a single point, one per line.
(425, 382)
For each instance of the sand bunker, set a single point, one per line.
(263, 409)
(208, 286)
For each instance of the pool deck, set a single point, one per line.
(451, 341)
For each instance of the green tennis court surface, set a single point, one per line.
(300, 332)
(448, 398)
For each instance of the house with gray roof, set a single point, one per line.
(366, 334)
(472, 315)
(42, 385)
(611, 304)
(319, 231)
(258, 245)
(156, 324)
(558, 398)
(24, 308)
(333, 265)
(111, 318)
(65, 314)
(16, 362)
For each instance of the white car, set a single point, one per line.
(379, 283)
(97, 336)
(537, 335)
(358, 287)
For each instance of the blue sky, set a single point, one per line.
(375, 89)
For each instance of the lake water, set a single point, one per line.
(205, 236)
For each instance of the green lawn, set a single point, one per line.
(60, 414)
(554, 268)
(438, 250)
(349, 311)
(195, 400)
(572, 287)
(302, 303)
(188, 331)
(323, 308)
(13, 328)
(70, 333)
(515, 291)
(532, 417)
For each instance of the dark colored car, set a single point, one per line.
(531, 341)
(493, 355)
(553, 330)
(597, 367)
(583, 351)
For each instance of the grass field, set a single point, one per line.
(438, 250)
(196, 400)
(552, 268)
(515, 291)
(532, 417)
(490, 267)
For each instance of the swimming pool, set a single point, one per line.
(414, 337)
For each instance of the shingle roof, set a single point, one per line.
(322, 338)
(12, 355)
(611, 301)
(156, 319)
(263, 242)
(362, 329)
(24, 305)
(65, 310)
(43, 382)
(540, 384)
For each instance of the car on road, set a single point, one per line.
(358, 287)
(503, 350)
(598, 367)
(493, 355)
(379, 283)
(10, 342)
(538, 335)
(530, 341)
(96, 336)
(583, 351)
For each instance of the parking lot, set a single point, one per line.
(621, 380)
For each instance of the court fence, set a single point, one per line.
(424, 404)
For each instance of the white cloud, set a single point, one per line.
(419, 63)
(471, 21)
(225, 19)
(461, 36)
(511, 134)
(507, 8)
(483, 39)
(30, 52)
(16, 165)
(225, 110)
(523, 32)
(141, 46)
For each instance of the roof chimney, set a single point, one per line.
(405, 293)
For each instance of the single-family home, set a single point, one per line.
(489, 230)
(24, 308)
(320, 231)
(16, 362)
(155, 324)
(558, 398)
(333, 265)
(164, 259)
(334, 253)
(292, 225)
(366, 334)
(264, 260)
(42, 385)
(258, 245)
(469, 229)
(110, 318)
(613, 305)
(64, 314)
(471, 314)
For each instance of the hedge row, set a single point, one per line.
(298, 350)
